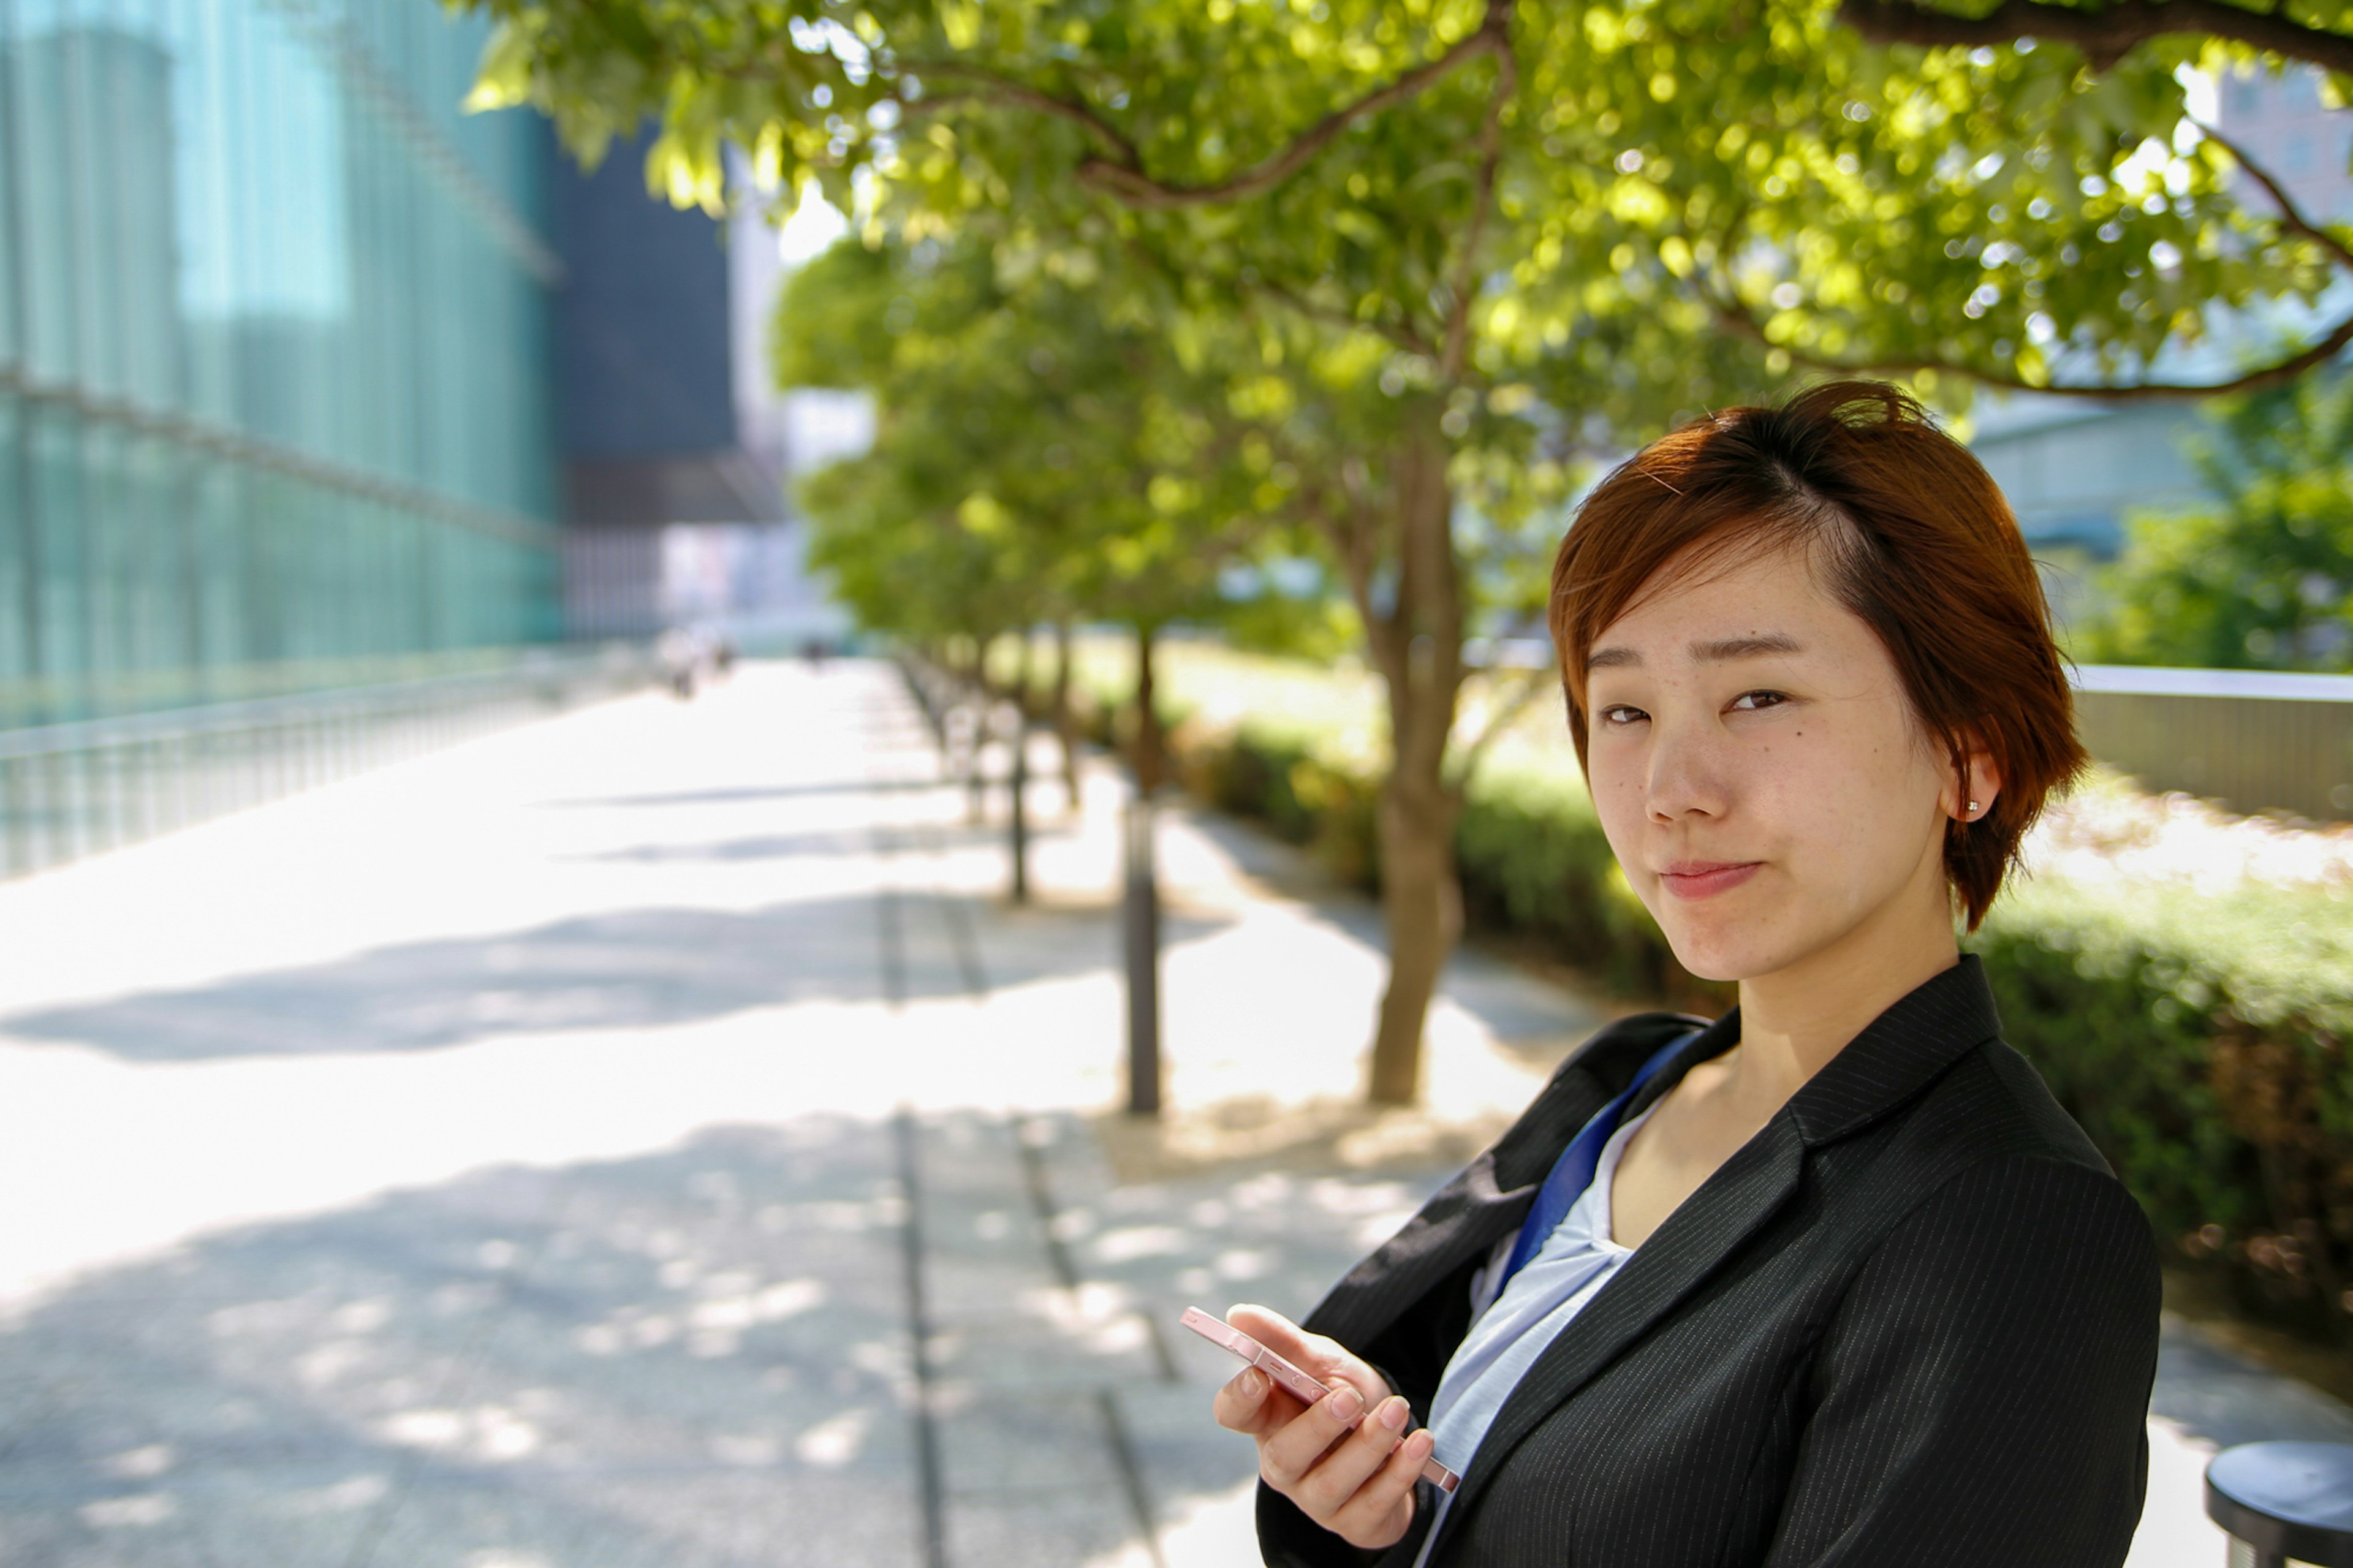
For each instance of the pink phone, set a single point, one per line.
(1300, 1386)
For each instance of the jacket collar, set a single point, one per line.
(1900, 1053)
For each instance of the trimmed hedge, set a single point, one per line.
(2199, 1039)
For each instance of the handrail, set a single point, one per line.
(262, 712)
(80, 786)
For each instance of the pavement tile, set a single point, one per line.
(1021, 1530)
(537, 1205)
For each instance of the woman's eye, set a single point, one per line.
(1751, 701)
(1622, 715)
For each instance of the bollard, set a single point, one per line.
(1141, 929)
(2283, 1503)
(1018, 816)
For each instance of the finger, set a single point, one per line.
(1383, 1505)
(1293, 1450)
(1241, 1404)
(1311, 1352)
(1333, 1481)
(1326, 1360)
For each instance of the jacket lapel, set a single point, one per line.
(1492, 1195)
(1899, 1054)
(1697, 1237)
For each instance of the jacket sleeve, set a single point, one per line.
(1982, 1392)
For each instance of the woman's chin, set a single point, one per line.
(1725, 955)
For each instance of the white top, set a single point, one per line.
(1508, 1332)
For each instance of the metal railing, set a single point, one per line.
(2254, 740)
(71, 790)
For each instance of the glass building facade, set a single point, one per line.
(275, 399)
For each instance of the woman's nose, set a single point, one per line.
(1686, 773)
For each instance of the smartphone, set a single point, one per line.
(1300, 1386)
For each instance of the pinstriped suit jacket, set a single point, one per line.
(1912, 1323)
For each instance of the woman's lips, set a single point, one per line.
(1706, 879)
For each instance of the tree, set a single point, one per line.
(1443, 217)
(2265, 579)
(1041, 454)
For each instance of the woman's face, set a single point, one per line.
(1759, 772)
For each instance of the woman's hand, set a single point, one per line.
(1358, 1485)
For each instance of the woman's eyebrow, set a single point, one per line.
(1761, 646)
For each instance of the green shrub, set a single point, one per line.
(2199, 1039)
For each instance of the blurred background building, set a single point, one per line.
(306, 377)
(273, 335)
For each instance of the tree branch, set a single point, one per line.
(1132, 185)
(2292, 216)
(1737, 318)
(992, 88)
(1401, 333)
(2104, 36)
(1491, 154)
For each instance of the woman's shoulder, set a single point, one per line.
(1989, 1147)
(1993, 1106)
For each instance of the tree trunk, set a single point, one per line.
(1150, 749)
(1418, 647)
(1066, 721)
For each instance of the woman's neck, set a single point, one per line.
(1793, 1021)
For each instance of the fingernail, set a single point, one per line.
(1253, 1384)
(1420, 1444)
(1345, 1403)
(1393, 1413)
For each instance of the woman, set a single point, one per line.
(1830, 1280)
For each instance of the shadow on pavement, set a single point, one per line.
(651, 1362)
(699, 1358)
(748, 795)
(823, 842)
(1539, 1022)
(633, 970)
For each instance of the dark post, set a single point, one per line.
(1018, 823)
(976, 779)
(1141, 929)
(1066, 721)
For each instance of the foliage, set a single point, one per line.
(2265, 579)
(2198, 1037)
(2199, 1040)
(1565, 202)
(1040, 451)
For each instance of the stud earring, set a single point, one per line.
(1973, 808)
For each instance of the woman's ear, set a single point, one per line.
(1978, 781)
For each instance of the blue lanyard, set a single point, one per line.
(1573, 1172)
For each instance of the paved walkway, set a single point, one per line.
(648, 1138)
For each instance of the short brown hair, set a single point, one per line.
(1911, 535)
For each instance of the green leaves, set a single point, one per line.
(1041, 453)
(1667, 172)
(2264, 579)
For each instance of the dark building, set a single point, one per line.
(648, 410)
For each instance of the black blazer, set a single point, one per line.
(1912, 1322)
